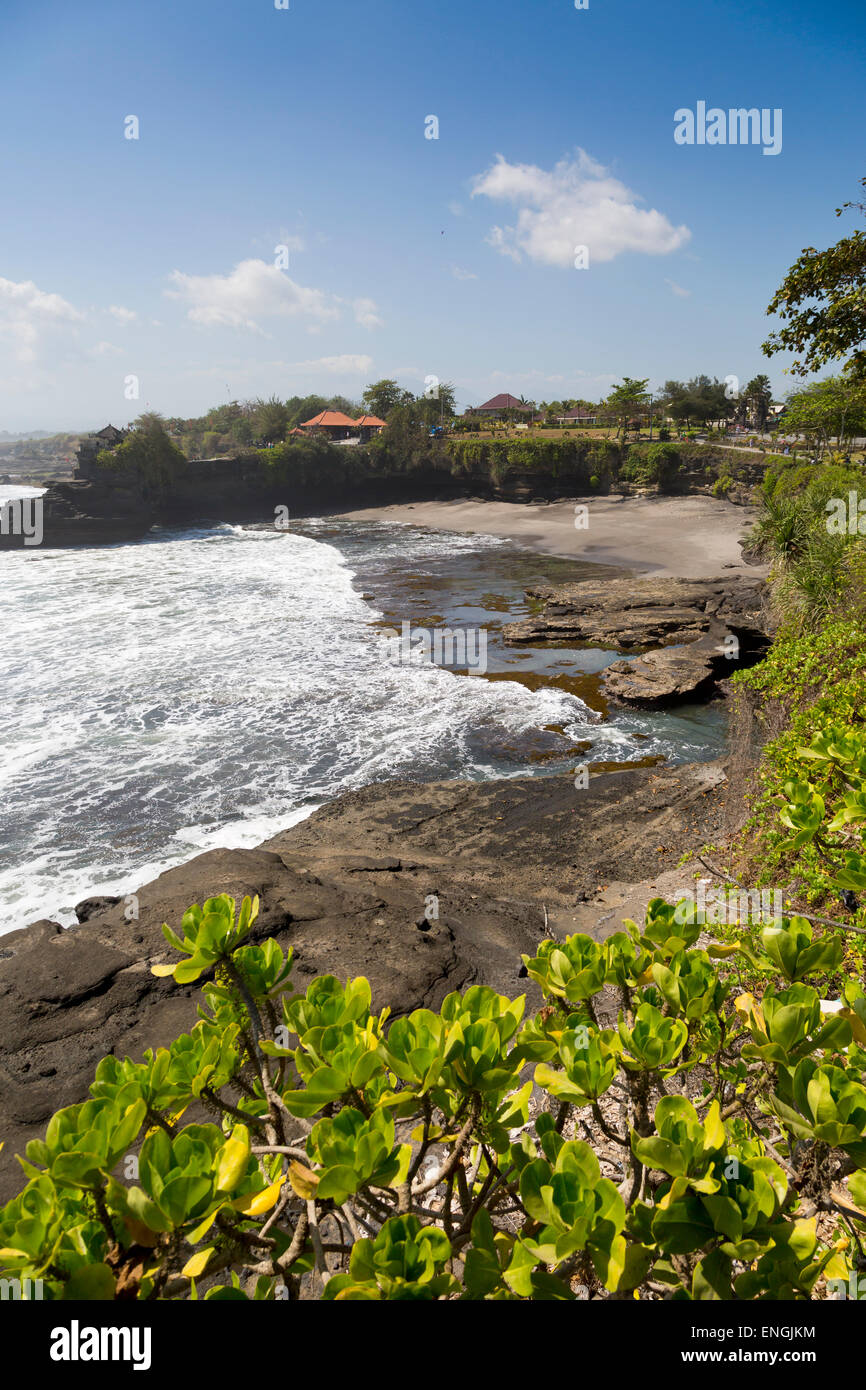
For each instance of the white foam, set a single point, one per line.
(204, 689)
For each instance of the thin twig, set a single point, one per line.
(453, 1158)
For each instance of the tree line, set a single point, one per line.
(261, 423)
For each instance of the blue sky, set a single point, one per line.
(408, 256)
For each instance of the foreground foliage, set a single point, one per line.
(445, 1155)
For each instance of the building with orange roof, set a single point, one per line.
(332, 424)
(368, 426)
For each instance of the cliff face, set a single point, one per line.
(85, 513)
(103, 505)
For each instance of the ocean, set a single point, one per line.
(211, 686)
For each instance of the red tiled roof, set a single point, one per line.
(369, 421)
(505, 401)
(328, 417)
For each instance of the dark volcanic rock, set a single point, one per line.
(346, 890)
(66, 971)
(89, 907)
(688, 621)
(634, 613)
(667, 676)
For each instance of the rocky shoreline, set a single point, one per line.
(506, 863)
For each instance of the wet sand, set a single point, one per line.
(683, 537)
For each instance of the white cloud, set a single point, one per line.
(366, 313)
(678, 289)
(460, 274)
(252, 291)
(499, 239)
(122, 315)
(577, 203)
(347, 362)
(26, 312)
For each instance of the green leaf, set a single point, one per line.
(94, 1283)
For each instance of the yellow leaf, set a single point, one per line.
(197, 1263)
(750, 1011)
(744, 1004)
(304, 1181)
(714, 1130)
(837, 1268)
(202, 1230)
(261, 1202)
(234, 1157)
(418, 1132)
(857, 1027)
(722, 952)
(162, 970)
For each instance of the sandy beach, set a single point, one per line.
(684, 537)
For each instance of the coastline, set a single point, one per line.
(509, 860)
(471, 580)
(692, 537)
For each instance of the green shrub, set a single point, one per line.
(810, 564)
(149, 456)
